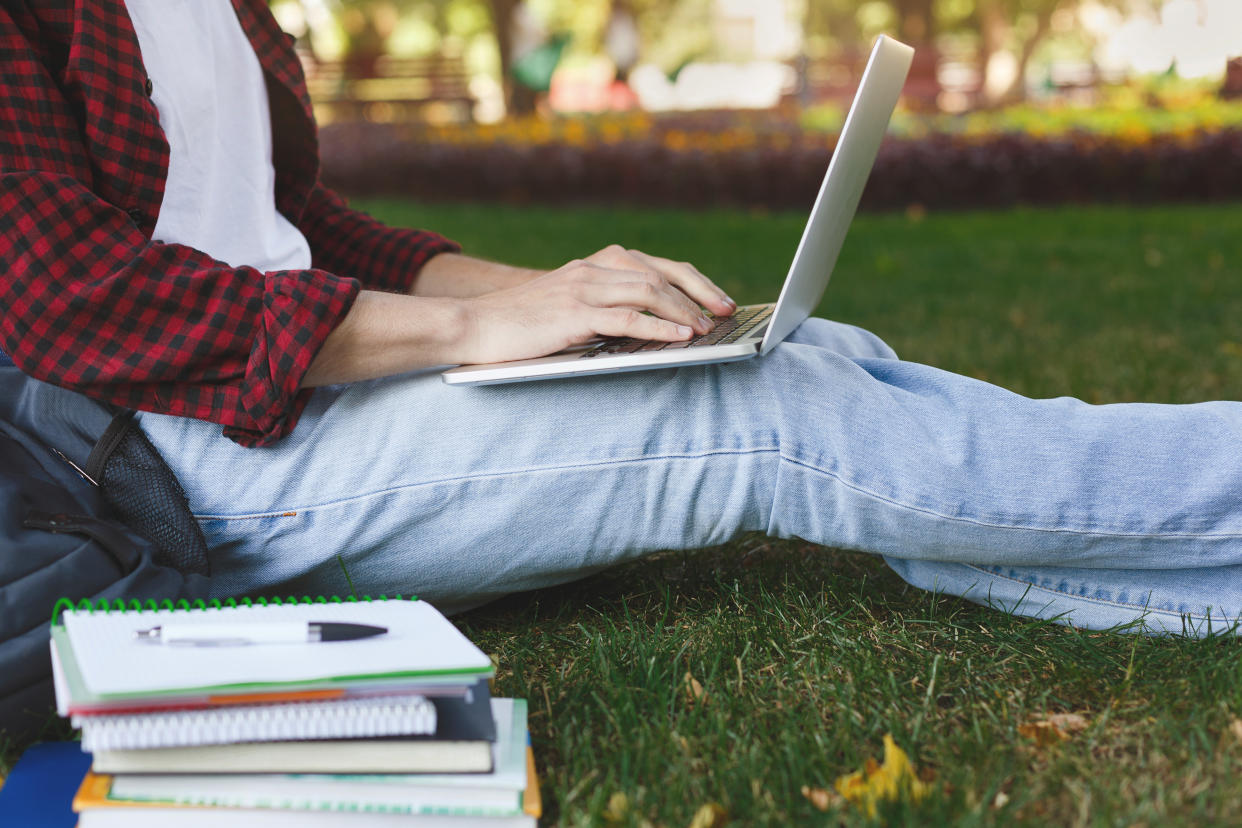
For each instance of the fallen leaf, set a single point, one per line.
(618, 807)
(821, 798)
(694, 690)
(710, 815)
(1001, 800)
(1235, 727)
(1042, 734)
(875, 783)
(1053, 728)
(1068, 722)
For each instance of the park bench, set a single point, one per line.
(435, 89)
(836, 78)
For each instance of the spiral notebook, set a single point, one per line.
(347, 718)
(462, 743)
(99, 666)
(497, 793)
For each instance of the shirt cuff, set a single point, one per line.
(300, 309)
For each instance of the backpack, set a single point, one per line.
(88, 510)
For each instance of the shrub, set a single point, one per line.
(711, 160)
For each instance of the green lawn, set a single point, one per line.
(808, 656)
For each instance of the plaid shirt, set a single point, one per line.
(88, 301)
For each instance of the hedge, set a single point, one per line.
(782, 171)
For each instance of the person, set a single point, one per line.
(167, 247)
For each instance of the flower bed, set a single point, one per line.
(716, 159)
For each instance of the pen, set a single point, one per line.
(231, 635)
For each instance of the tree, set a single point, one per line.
(1014, 27)
(502, 11)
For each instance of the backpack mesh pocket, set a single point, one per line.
(138, 484)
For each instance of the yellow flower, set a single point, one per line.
(675, 139)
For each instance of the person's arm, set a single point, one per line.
(455, 275)
(396, 259)
(91, 304)
(616, 292)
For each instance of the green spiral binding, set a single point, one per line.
(121, 605)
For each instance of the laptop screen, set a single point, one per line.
(842, 188)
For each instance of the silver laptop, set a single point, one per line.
(752, 329)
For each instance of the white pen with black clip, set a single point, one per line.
(233, 635)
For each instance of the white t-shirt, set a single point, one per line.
(208, 87)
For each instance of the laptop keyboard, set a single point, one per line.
(728, 329)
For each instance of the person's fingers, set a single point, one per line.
(683, 275)
(659, 298)
(631, 323)
(690, 280)
(658, 289)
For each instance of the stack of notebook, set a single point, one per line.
(194, 718)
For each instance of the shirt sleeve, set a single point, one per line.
(90, 303)
(350, 242)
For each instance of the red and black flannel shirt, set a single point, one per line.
(89, 301)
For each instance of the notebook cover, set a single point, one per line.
(532, 800)
(101, 662)
(39, 790)
(466, 717)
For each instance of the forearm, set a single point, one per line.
(487, 312)
(387, 333)
(455, 275)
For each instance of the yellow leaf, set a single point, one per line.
(618, 807)
(694, 690)
(710, 815)
(1235, 727)
(875, 783)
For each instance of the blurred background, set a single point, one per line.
(737, 102)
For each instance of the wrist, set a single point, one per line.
(460, 329)
(385, 334)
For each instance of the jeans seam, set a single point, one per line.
(1146, 608)
(990, 525)
(283, 512)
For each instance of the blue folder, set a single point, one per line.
(39, 790)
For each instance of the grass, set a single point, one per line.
(807, 656)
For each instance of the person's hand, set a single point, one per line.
(615, 292)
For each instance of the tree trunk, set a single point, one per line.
(516, 101)
(1017, 90)
(996, 32)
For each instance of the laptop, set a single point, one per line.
(752, 329)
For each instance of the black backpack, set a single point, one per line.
(88, 510)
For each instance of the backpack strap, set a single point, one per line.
(108, 443)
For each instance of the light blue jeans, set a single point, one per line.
(1093, 515)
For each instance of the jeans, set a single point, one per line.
(1092, 515)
